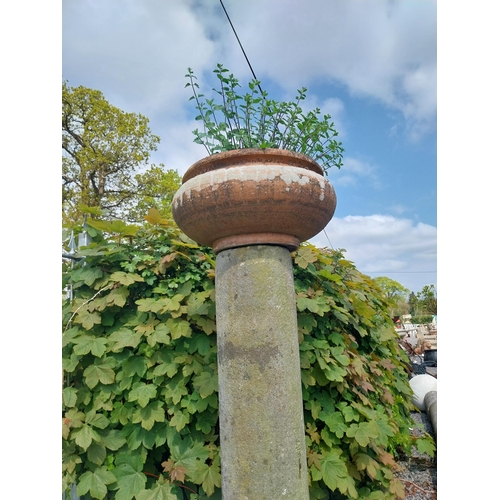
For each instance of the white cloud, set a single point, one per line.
(385, 245)
(355, 170)
(384, 49)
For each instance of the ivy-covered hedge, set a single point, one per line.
(140, 407)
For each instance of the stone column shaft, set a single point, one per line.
(263, 451)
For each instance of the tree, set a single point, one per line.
(395, 293)
(103, 149)
(427, 299)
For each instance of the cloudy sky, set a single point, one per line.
(370, 64)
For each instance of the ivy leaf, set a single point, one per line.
(329, 276)
(206, 324)
(338, 354)
(365, 462)
(85, 344)
(142, 393)
(69, 397)
(147, 416)
(147, 305)
(95, 482)
(362, 433)
(425, 445)
(124, 337)
(162, 491)
(125, 278)
(118, 296)
(96, 453)
(179, 420)
(89, 274)
(335, 422)
(333, 468)
(88, 319)
(350, 414)
(159, 335)
(396, 487)
(178, 328)
(196, 304)
(84, 436)
(304, 303)
(96, 419)
(347, 485)
(209, 476)
(304, 256)
(96, 373)
(113, 439)
(135, 365)
(130, 481)
(206, 383)
(186, 453)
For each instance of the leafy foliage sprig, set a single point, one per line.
(234, 121)
(140, 406)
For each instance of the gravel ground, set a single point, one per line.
(419, 472)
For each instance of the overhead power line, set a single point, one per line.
(241, 46)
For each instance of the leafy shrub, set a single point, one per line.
(421, 320)
(234, 121)
(140, 407)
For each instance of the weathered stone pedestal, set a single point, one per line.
(260, 397)
(253, 207)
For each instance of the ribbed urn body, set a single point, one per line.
(253, 196)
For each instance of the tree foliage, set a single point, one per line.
(103, 149)
(424, 302)
(395, 293)
(140, 406)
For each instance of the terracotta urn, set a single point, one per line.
(253, 197)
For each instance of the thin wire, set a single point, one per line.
(241, 46)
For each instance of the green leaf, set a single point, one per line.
(178, 328)
(159, 335)
(305, 255)
(88, 319)
(206, 383)
(188, 455)
(113, 439)
(125, 278)
(95, 482)
(95, 373)
(69, 396)
(85, 344)
(335, 422)
(130, 481)
(179, 420)
(147, 416)
(425, 445)
(362, 433)
(84, 436)
(209, 476)
(96, 420)
(365, 462)
(135, 365)
(89, 274)
(118, 296)
(162, 491)
(124, 337)
(196, 304)
(333, 468)
(142, 393)
(96, 453)
(304, 303)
